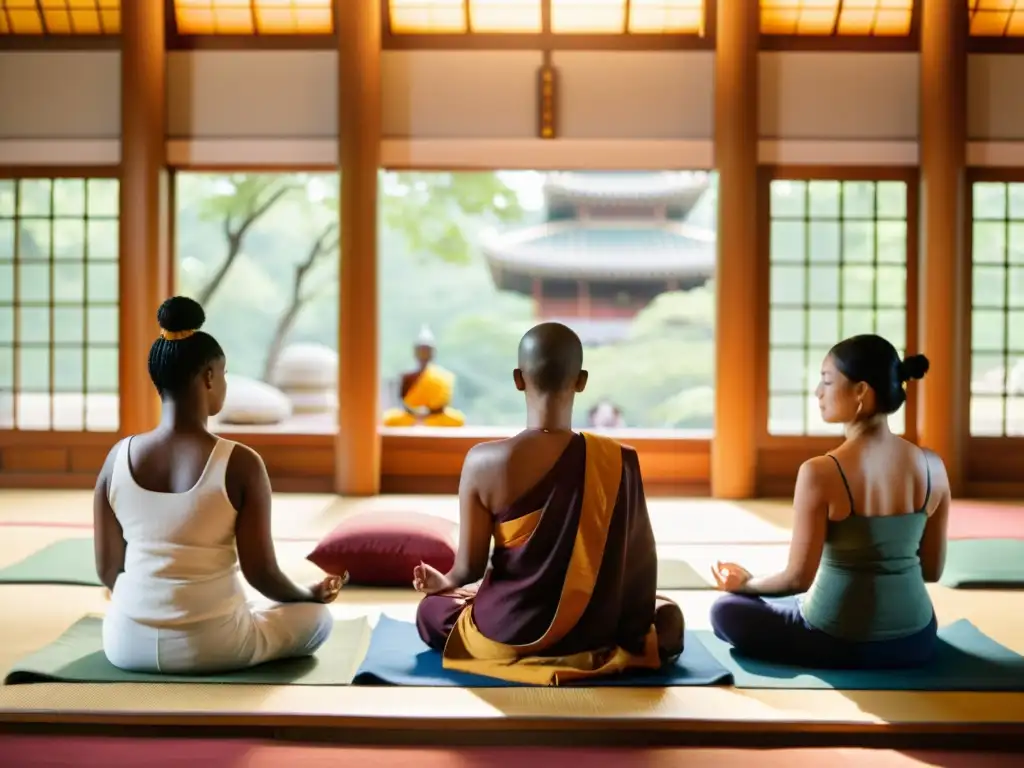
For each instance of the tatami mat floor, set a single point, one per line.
(755, 533)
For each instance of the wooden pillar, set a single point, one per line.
(942, 301)
(143, 197)
(357, 449)
(733, 448)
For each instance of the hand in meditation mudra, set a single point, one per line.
(426, 392)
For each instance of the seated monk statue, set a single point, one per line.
(606, 415)
(570, 593)
(425, 392)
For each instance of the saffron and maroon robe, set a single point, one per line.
(571, 589)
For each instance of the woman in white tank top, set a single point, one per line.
(180, 516)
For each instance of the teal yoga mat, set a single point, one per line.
(984, 564)
(77, 657)
(68, 561)
(966, 660)
(397, 656)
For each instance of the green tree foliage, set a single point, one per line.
(237, 202)
(257, 248)
(431, 274)
(439, 214)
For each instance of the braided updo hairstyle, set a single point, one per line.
(173, 364)
(873, 360)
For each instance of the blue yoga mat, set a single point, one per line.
(397, 656)
(966, 660)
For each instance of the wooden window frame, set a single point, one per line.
(992, 463)
(420, 460)
(60, 458)
(995, 45)
(547, 40)
(413, 462)
(59, 42)
(992, 44)
(543, 41)
(909, 43)
(297, 462)
(780, 456)
(177, 41)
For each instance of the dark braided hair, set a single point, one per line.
(174, 363)
(873, 360)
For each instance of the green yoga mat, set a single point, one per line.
(77, 657)
(69, 561)
(674, 573)
(72, 561)
(965, 660)
(984, 564)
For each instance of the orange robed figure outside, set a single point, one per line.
(570, 593)
(426, 392)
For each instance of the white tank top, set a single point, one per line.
(181, 563)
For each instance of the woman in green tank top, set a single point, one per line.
(869, 531)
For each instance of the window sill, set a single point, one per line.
(480, 434)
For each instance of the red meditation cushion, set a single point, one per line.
(380, 549)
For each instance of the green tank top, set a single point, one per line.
(869, 585)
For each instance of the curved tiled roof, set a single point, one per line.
(624, 251)
(627, 187)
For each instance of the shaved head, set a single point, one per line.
(551, 358)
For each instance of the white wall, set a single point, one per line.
(635, 95)
(995, 98)
(839, 95)
(460, 94)
(60, 107)
(252, 94)
(474, 108)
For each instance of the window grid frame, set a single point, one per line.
(907, 175)
(547, 40)
(52, 175)
(992, 44)
(176, 41)
(46, 40)
(909, 43)
(1005, 179)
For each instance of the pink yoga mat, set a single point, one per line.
(105, 752)
(985, 520)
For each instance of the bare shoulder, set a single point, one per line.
(108, 463)
(245, 463)
(483, 456)
(478, 468)
(937, 468)
(816, 470)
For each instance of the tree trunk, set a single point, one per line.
(284, 326)
(207, 291)
(235, 238)
(322, 245)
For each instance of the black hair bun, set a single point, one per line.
(180, 313)
(914, 367)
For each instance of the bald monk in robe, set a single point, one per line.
(425, 392)
(570, 593)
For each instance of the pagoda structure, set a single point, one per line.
(608, 245)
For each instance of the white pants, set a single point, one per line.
(251, 636)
